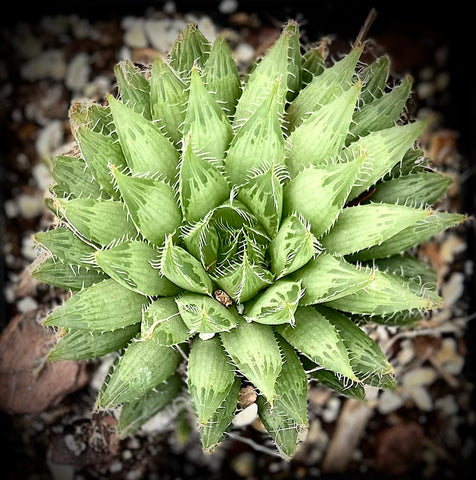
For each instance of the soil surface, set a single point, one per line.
(52, 54)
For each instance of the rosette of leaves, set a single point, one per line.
(221, 230)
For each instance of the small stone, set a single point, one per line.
(246, 416)
(452, 290)
(228, 6)
(30, 206)
(49, 139)
(244, 464)
(160, 421)
(77, 73)
(389, 402)
(135, 37)
(331, 412)
(447, 404)
(406, 353)
(115, 467)
(207, 27)
(449, 358)
(50, 64)
(11, 208)
(27, 304)
(156, 31)
(42, 176)
(421, 398)
(419, 377)
(28, 248)
(126, 455)
(206, 336)
(244, 53)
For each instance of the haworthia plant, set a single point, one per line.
(221, 230)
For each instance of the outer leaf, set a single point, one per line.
(189, 49)
(292, 247)
(145, 147)
(315, 336)
(364, 226)
(204, 314)
(313, 64)
(415, 189)
(385, 294)
(276, 305)
(411, 236)
(144, 198)
(86, 113)
(309, 193)
(73, 177)
(255, 351)
(259, 142)
(65, 246)
(209, 127)
(83, 345)
(327, 277)
(183, 269)
(382, 112)
(99, 151)
(162, 322)
(133, 88)
(375, 78)
(339, 384)
(68, 277)
(323, 88)
(135, 413)
(130, 264)
(322, 135)
(368, 361)
(286, 421)
(213, 432)
(210, 377)
(103, 307)
(143, 366)
(384, 149)
(222, 77)
(202, 185)
(102, 221)
(295, 61)
(168, 99)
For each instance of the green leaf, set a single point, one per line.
(315, 336)
(382, 112)
(144, 197)
(213, 432)
(208, 125)
(209, 376)
(366, 358)
(168, 99)
(99, 152)
(65, 246)
(183, 269)
(411, 236)
(62, 275)
(243, 280)
(143, 366)
(268, 80)
(286, 421)
(384, 294)
(204, 314)
(292, 247)
(83, 344)
(384, 149)
(295, 60)
(276, 305)
(323, 89)
(375, 78)
(73, 177)
(339, 384)
(327, 277)
(136, 412)
(146, 149)
(133, 88)
(87, 113)
(313, 64)
(414, 189)
(202, 185)
(162, 322)
(130, 264)
(259, 142)
(102, 221)
(364, 226)
(321, 136)
(263, 195)
(102, 307)
(221, 76)
(255, 352)
(319, 193)
(189, 49)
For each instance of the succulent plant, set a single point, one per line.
(222, 230)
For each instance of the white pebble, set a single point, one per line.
(156, 31)
(406, 353)
(447, 404)
(419, 377)
(135, 38)
(246, 416)
(28, 248)
(331, 411)
(27, 304)
(42, 175)
(228, 6)
(30, 206)
(77, 74)
(422, 398)
(160, 421)
(206, 336)
(49, 139)
(50, 64)
(244, 53)
(452, 290)
(389, 402)
(11, 208)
